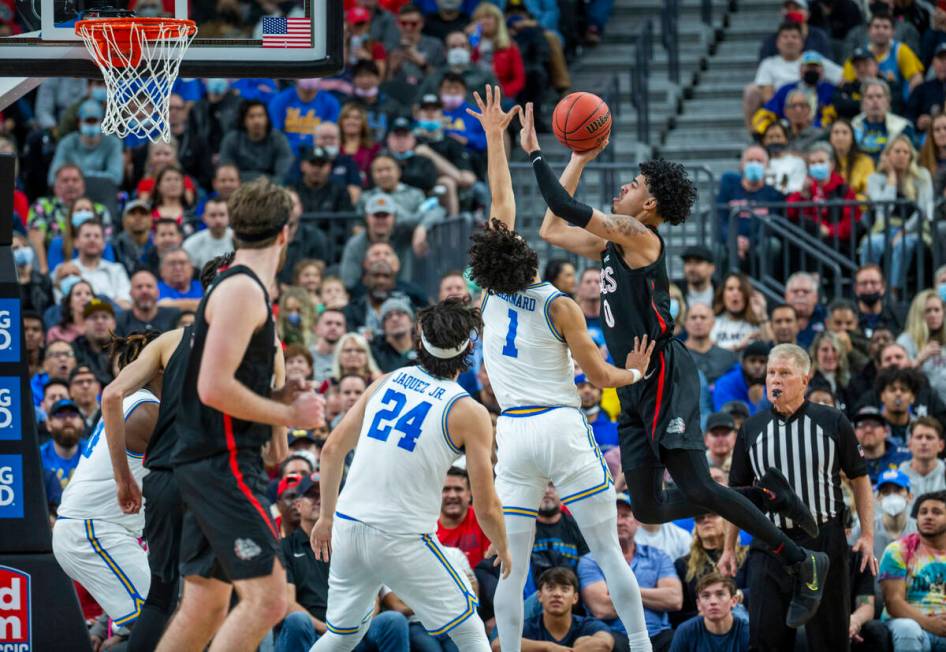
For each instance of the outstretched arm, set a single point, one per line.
(570, 322)
(133, 377)
(495, 122)
(560, 233)
(623, 230)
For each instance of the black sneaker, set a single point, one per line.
(787, 503)
(810, 575)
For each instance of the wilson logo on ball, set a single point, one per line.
(597, 124)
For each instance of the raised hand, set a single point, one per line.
(587, 157)
(491, 114)
(528, 139)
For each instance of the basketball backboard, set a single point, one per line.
(235, 38)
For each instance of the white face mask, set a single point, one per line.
(893, 504)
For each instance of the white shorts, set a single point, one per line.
(108, 561)
(413, 566)
(541, 445)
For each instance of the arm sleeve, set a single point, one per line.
(557, 198)
(740, 471)
(849, 455)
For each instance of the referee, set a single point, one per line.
(811, 445)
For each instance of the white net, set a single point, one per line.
(140, 60)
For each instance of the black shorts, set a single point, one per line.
(163, 513)
(662, 410)
(227, 532)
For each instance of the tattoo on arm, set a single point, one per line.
(863, 600)
(624, 225)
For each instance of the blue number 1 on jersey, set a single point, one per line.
(409, 424)
(509, 349)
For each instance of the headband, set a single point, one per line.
(443, 353)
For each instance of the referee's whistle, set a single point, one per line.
(776, 393)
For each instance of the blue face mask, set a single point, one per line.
(942, 291)
(294, 319)
(99, 94)
(90, 130)
(753, 171)
(402, 156)
(217, 86)
(819, 171)
(81, 217)
(429, 125)
(66, 284)
(674, 308)
(23, 256)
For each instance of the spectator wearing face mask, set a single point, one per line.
(416, 170)
(786, 171)
(98, 155)
(376, 107)
(817, 85)
(459, 61)
(830, 223)
(892, 516)
(344, 170)
(460, 126)
(740, 188)
(299, 109)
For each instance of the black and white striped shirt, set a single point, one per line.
(811, 447)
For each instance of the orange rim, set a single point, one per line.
(154, 29)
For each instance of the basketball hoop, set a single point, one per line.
(139, 59)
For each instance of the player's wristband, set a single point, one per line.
(637, 375)
(557, 198)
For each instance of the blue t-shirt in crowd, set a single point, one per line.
(62, 468)
(605, 431)
(692, 636)
(195, 291)
(298, 119)
(461, 123)
(56, 253)
(190, 89)
(732, 194)
(534, 630)
(649, 565)
(892, 458)
(263, 90)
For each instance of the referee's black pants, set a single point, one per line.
(770, 592)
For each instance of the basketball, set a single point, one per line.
(581, 121)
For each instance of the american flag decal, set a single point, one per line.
(287, 32)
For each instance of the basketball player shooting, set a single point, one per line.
(659, 424)
(531, 333)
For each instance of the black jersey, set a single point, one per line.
(204, 431)
(158, 453)
(634, 302)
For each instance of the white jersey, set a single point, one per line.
(527, 359)
(91, 494)
(403, 454)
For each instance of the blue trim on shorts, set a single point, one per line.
(346, 517)
(524, 411)
(605, 483)
(347, 631)
(471, 601)
(520, 511)
(125, 581)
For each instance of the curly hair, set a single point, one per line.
(908, 377)
(447, 324)
(501, 260)
(122, 351)
(212, 267)
(673, 189)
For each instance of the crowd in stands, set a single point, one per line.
(110, 236)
